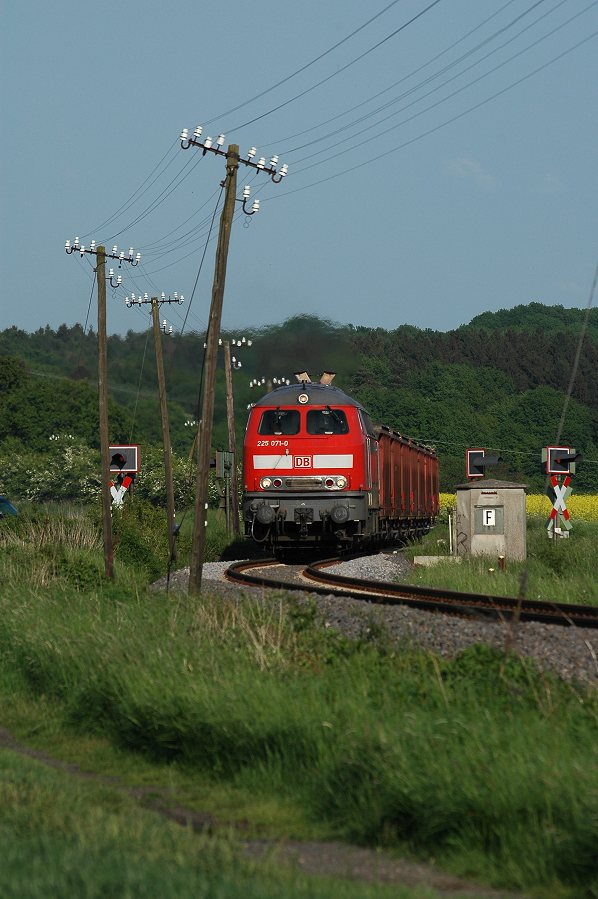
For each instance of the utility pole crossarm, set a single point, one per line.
(207, 146)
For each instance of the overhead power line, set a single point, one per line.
(463, 87)
(307, 65)
(433, 129)
(385, 90)
(203, 257)
(183, 173)
(139, 192)
(172, 185)
(351, 62)
(197, 233)
(131, 199)
(575, 366)
(439, 73)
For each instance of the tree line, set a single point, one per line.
(499, 382)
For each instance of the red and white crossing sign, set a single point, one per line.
(119, 489)
(559, 460)
(559, 513)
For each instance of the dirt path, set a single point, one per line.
(332, 859)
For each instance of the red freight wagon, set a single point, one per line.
(316, 471)
(409, 481)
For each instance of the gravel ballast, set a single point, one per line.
(570, 652)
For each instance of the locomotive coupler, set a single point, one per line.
(303, 516)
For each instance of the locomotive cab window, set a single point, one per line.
(327, 421)
(279, 421)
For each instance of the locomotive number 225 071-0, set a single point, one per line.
(273, 443)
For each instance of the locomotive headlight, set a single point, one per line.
(265, 483)
(335, 482)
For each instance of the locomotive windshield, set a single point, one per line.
(279, 421)
(327, 421)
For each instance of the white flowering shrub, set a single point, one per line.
(150, 483)
(71, 471)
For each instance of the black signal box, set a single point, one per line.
(224, 464)
(561, 459)
(473, 459)
(124, 458)
(477, 461)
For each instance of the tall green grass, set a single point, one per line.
(481, 762)
(48, 546)
(63, 838)
(561, 570)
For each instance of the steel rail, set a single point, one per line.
(470, 605)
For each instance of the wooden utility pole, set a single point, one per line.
(165, 431)
(232, 439)
(210, 359)
(103, 404)
(101, 256)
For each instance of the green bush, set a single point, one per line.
(70, 471)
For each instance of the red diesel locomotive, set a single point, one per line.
(317, 471)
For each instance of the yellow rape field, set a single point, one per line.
(581, 507)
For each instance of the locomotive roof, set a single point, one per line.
(325, 395)
(319, 395)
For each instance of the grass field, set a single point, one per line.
(249, 710)
(562, 570)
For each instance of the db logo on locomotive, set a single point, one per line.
(302, 461)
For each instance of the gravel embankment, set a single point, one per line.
(570, 652)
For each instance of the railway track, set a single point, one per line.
(314, 578)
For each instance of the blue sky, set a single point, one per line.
(473, 189)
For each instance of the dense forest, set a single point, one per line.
(500, 383)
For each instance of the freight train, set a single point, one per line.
(318, 473)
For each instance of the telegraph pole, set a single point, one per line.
(165, 432)
(168, 479)
(207, 409)
(103, 403)
(207, 415)
(232, 438)
(101, 256)
(232, 363)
